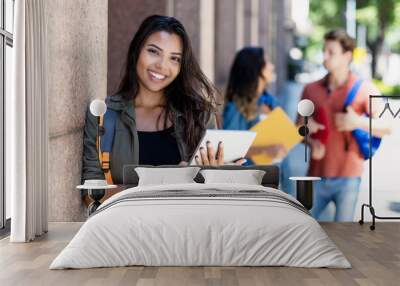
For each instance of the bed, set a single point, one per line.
(201, 224)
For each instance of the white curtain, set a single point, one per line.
(26, 127)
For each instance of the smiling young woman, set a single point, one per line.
(164, 104)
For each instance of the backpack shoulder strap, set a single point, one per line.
(108, 121)
(353, 92)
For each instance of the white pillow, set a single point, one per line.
(248, 177)
(162, 176)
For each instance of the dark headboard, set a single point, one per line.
(270, 179)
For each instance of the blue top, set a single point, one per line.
(234, 120)
(269, 100)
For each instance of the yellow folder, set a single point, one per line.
(277, 128)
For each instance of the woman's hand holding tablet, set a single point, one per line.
(231, 146)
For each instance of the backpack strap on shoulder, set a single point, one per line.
(353, 92)
(108, 122)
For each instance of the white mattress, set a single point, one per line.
(134, 228)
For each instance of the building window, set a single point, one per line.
(6, 66)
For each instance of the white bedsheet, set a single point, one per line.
(227, 231)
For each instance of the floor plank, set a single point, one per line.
(374, 255)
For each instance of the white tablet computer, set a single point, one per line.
(236, 143)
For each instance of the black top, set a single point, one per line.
(158, 148)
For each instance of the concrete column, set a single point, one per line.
(240, 25)
(281, 46)
(265, 25)
(207, 37)
(250, 22)
(188, 13)
(170, 8)
(225, 40)
(268, 28)
(254, 20)
(77, 66)
(246, 23)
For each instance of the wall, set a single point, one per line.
(77, 65)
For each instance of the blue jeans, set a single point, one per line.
(343, 191)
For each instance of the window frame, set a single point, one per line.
(6, 39)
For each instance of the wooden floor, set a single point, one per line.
(374, 255)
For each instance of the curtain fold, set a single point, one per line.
(28, 121)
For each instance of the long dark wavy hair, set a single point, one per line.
(191, 93)
(243, 80)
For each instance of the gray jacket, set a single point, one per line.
(126, 142)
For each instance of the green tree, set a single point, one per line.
(324, 15)
(379, 17)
